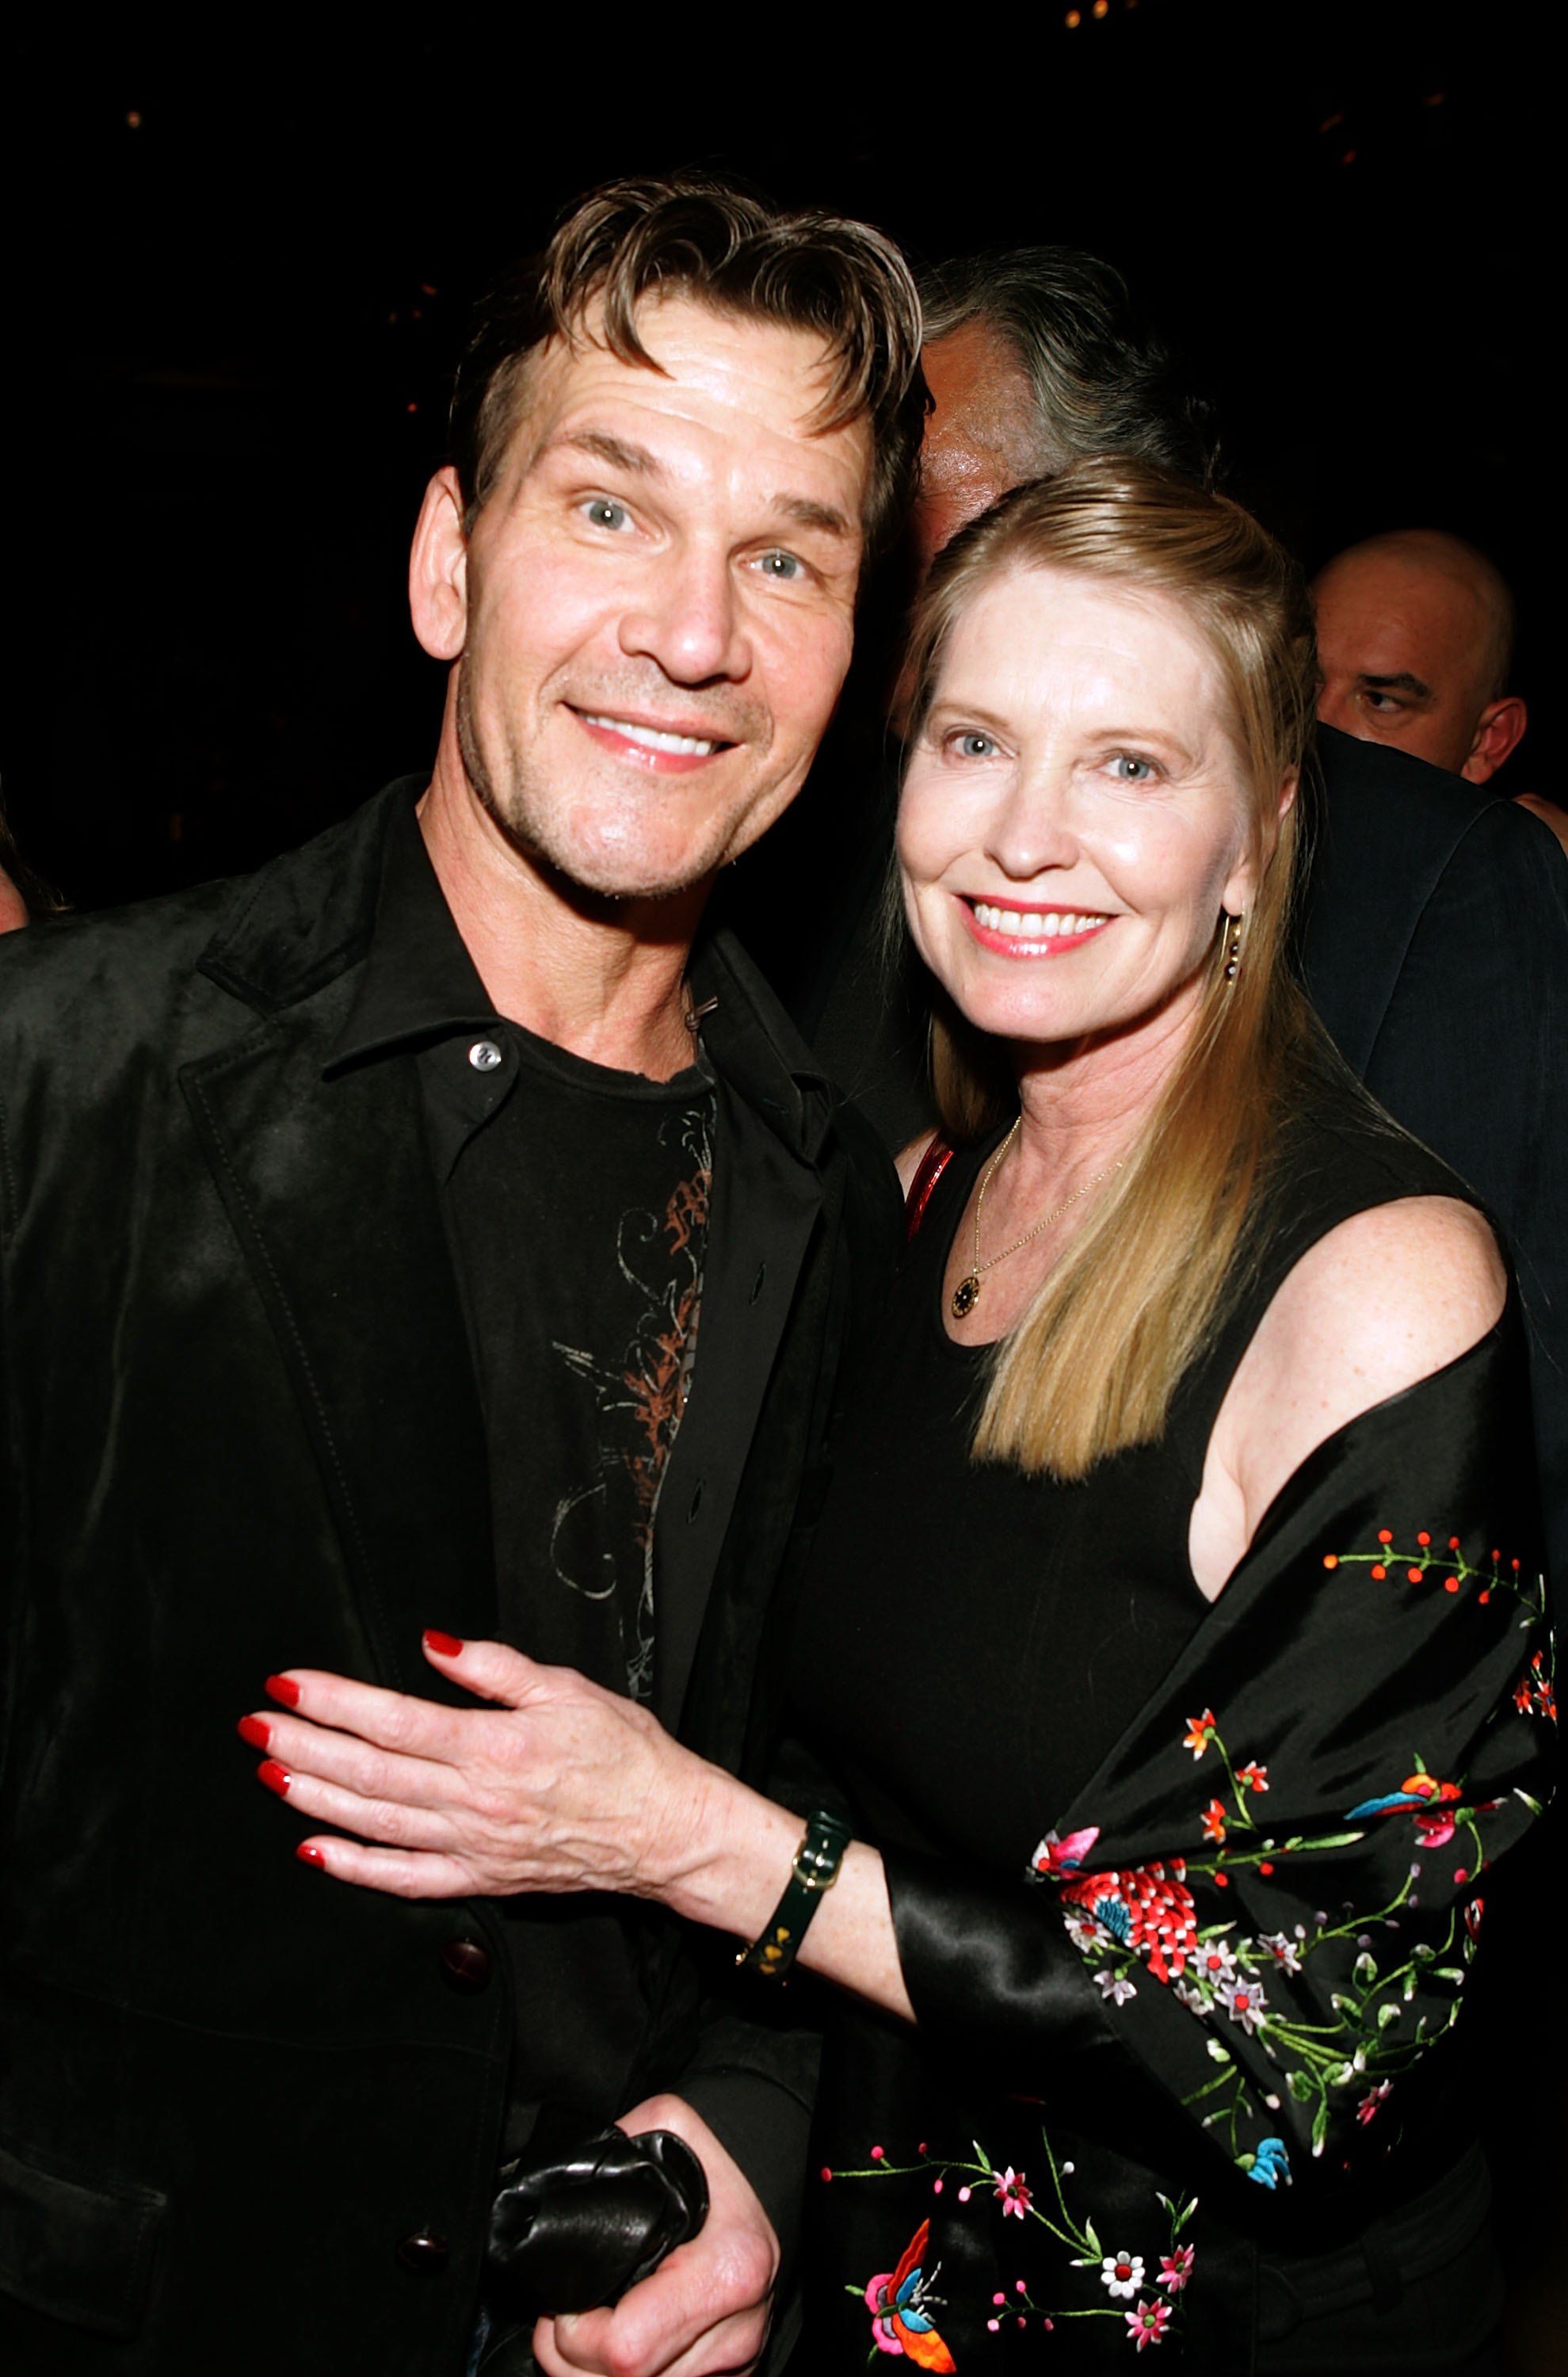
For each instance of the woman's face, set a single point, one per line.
(1074, 815)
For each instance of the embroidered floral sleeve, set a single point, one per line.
(1274, 1889)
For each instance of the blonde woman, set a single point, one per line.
(1174, 1635)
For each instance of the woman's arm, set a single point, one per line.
(558, 1785)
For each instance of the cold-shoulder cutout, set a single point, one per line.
(1382, 1301)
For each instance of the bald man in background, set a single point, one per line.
(1416, 643)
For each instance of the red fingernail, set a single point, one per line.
(257, 1731)
(283, 1688)
(446, 1646)
(309, 1854)
(276, 1778)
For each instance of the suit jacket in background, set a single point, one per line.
(248, 2117)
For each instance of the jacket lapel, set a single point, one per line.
(329, 1189)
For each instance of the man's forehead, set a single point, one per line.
(980, 389)
(749, 377)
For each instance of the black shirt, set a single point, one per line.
(575, 1199)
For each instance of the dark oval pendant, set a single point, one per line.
(966, 1296)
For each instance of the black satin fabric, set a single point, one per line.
(1043, 2124)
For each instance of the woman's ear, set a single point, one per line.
(1241, 890)
(437, 569)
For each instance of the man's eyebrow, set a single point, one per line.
(1402, 683)
(620, 453)
(806, 512)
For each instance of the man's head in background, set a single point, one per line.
(1035, 359)
(23, 893)
(1415, 643)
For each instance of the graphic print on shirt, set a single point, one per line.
(601, 1538)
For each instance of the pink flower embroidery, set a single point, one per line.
(1434, 1830)
(1175, 2268)
(1371, 2100)
(1056, 1856)
(1011, 2194)
(1148, 2323)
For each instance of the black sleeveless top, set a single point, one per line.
(1012, 1622)
(1009, 1677)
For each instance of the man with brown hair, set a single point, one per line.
(437, 1231)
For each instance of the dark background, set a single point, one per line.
(239, 265)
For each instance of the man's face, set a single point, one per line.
(659, 600)
(979, 435)
(1402, 649)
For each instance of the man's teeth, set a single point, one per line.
(1032, 924)
(652, 738)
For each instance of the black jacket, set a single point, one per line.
(242, 1431)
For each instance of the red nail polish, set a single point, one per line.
(446, 1646)
(257, 1731)
(276, 1778)
(309, 1854)
(283, 1688)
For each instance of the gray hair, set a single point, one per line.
(1102, 382)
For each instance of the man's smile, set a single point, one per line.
(668, 749)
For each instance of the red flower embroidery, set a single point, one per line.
(1146, 1908)
(1214, 1821)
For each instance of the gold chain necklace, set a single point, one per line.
(966, 1294)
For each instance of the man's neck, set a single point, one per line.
(605, 982)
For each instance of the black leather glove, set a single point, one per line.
(580, 2231)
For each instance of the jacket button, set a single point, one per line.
(425, 2254)
(465, 1964)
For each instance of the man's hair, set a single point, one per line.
(1090, 1366)
(1102, 382)
(693, 236)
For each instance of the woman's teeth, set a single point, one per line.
(1034, 924)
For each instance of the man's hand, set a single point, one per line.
(704, 2311)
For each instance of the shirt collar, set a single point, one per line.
(419, 982)
(420, 986)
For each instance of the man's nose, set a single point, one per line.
(688, 620)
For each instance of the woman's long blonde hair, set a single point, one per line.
(1091, 1364)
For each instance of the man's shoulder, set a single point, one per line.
(119, 971)
(1380, 803)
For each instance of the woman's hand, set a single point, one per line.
(560, 1786)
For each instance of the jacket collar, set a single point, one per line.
(310, 915)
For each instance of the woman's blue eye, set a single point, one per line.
(974, 746)
(604, 512)
(1130, 770)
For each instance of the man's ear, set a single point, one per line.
(1499, 729)
(437, 569)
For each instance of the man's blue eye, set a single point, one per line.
(783, 566)
(605, 513)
